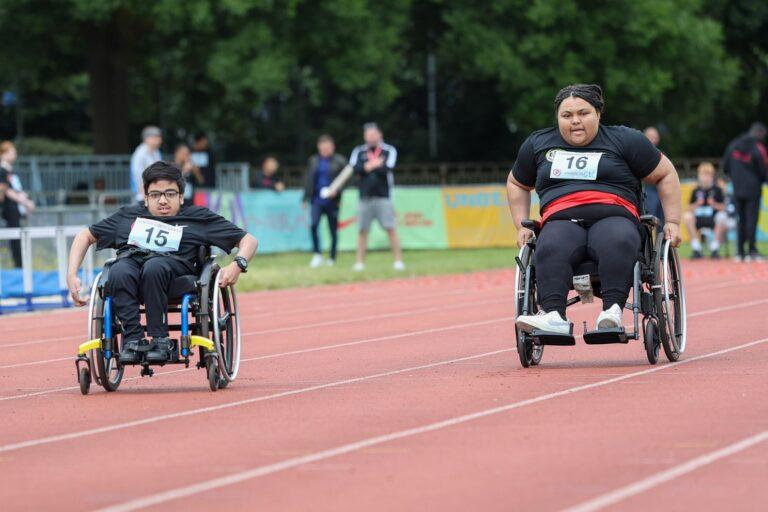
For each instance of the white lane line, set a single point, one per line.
(360, 342)
(293, 352)
(216, 483)
(229, 405)
(292, 328)
(622, 493)
(32, 363)
(434, 309)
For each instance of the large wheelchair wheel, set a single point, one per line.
(669, 299)
(225, 321)
(108, 372)
(530, 354)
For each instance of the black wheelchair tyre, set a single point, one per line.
(651, 340)
(84, 379)
(213, 373)
(669, 299)
(109, 373)
(529, 353)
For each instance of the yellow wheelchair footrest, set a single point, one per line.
(88, 345)
(200, 342)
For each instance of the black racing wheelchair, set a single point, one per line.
(657, 294)
(209, 322)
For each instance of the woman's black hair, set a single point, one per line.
(591, 93)
(159, 171)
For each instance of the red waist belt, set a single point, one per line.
(586, 197)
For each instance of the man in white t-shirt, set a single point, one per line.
(145, 154)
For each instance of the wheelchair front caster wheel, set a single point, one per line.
(213, 374)
(652, 341)
(84, 378)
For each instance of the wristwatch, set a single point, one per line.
(242, 263)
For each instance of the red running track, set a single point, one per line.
(401, 395)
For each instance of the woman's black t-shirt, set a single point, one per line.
(201, 227)
(614, 162)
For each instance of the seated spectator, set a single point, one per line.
(706, 211)
(182, 157)
(266, 177)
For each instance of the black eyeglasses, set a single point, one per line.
(170, 195)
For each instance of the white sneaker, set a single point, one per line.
(329, 262)
(398, 265)
(359, 267)
(550, 322)
(316, 261)
(610, 318)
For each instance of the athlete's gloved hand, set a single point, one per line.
(229, 274)
(672, 232)
(523, 235)
(74, 285)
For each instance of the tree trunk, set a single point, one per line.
(108, 74)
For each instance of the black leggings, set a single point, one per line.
(612, 241)
(748, 210)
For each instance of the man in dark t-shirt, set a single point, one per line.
(156, 242)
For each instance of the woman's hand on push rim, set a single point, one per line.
(523, 235)
(672, 232)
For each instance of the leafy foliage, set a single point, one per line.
(268, 76)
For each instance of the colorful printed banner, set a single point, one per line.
(427, 218)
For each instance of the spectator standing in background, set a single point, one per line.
(374, 162)
(15, 201)
(746, 162)
(182, 157)
(322, 169)
(203, 159)
(145, 154)
(652, 200)
(266, 177)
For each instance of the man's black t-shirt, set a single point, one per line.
(262, 181)
(10, 208)
(201, 227)
(614, 162)
(704, 210)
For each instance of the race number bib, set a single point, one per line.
(570, 165)
(704, 211)
(155, 235)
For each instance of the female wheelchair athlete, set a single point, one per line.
(205, 309)
(657, 294)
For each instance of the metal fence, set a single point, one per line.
(89, 179)
(83, 179)
(468, 173)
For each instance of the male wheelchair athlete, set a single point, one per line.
(205, 309)
(657, 294)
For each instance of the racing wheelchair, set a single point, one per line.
(209, 321)
(657, 294)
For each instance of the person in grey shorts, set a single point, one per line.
(374, 162)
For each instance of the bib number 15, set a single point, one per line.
(155, 235)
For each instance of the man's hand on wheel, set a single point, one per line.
(523, 235)
(672, 232)
(229, 275)
(74, 285)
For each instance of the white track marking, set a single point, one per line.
(433, 309)
(360, 342)
(257, 315)
(622, 493)
(239, 403)
(284, 329)
(32, 363)
(294, 352)
(216, 483)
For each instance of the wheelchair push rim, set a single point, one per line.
(107, 372)
(226, 329)
(530, 353)
(670, 302)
